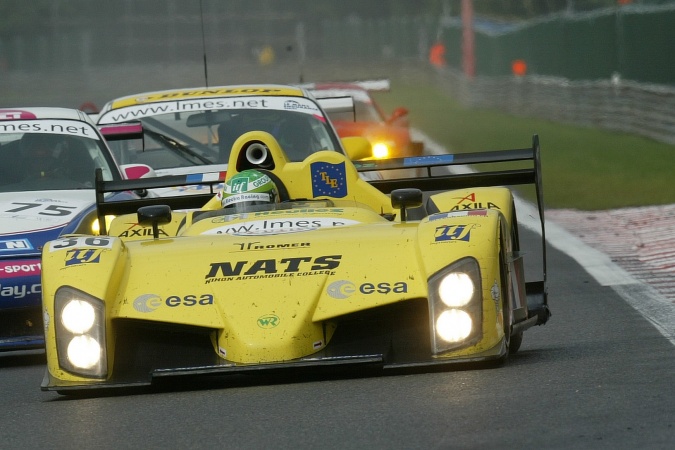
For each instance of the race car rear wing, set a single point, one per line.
(337, 104)
(445, 180)
(381, 84)
(104, 207)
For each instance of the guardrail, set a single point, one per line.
(626, 106)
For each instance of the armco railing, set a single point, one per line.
(637, 108)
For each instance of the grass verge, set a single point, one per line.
(583, 168)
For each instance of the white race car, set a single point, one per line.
(48, 158)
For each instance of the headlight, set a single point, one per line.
(456, 289)
(80, 332)
(455, 306)
(96, 227)
(380, 150)
(78, 316)
(84, 352)
(454, 325)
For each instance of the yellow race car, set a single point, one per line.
(293, 266)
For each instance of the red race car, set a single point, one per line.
(389, 135)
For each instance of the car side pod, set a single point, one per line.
(406, 198)
(154, 215)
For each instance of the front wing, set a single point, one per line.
(392, 340)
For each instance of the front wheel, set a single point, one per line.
(516, 341)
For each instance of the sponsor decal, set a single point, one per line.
(15, 114)
(14, 245)
(147, 303)
(193, 188)
(241, 184)
(204, 177)
(81, 242)
(136, 230)
(473, 204)
(494, 293)
(46, 319)
(208, 92)
(79, 256)
(40, 212)
(343, 289)
(426, 160)
(281, 226)
(126, 110)
(20, 291)
(247, 246)
(286, 212)
(272, 268)
(19, 268)
(66, 127)
(329, 179)
(295, 105)
(476, 213)
(247, 197)
(268, 321)
(229, 218)
(488, 205)
(454, 233)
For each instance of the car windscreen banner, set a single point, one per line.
(53, 126)
(133, 112)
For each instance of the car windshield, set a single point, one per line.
(49, 161)
(205, 136)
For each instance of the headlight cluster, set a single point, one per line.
(80, 332)
(455, 306)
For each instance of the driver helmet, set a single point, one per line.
(248, 188)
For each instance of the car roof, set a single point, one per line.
(330, 91)
(43, 112)
(205, 92)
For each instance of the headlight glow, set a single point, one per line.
(84, 352)
(456, 306)
(454, 325)
(96, 227)
(380, 150)
(78, 316)
(79, 320)
(456, 289)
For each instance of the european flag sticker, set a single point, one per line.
(329, 179)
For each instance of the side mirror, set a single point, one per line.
(136, 171)
(405, 199)
(357, 147)
(154, 215)
(398, 114)
(121, 131)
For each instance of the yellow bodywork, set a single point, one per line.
(272, 285)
